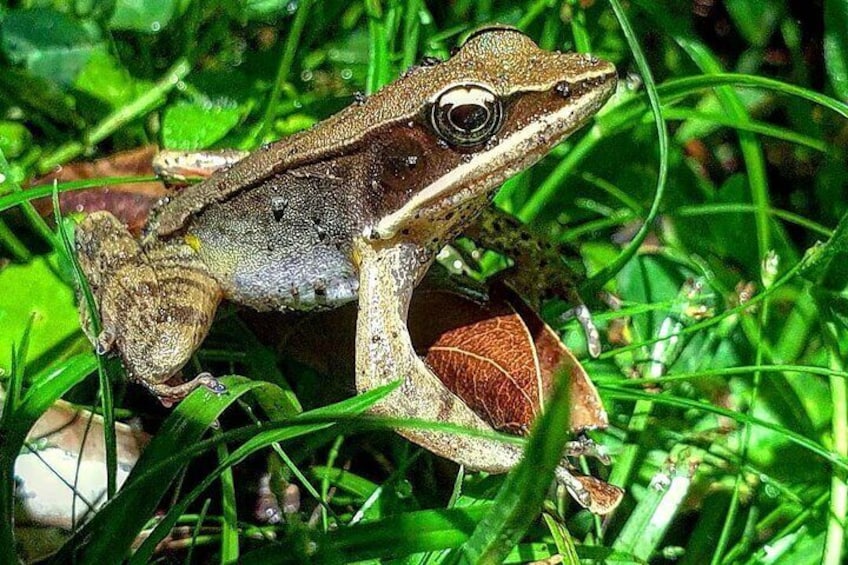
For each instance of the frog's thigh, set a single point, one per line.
(539, 272)
(155, 305)
(384, 353)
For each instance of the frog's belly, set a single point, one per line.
(261, 269)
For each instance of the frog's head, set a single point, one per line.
(494, 108)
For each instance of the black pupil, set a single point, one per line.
(468, 117)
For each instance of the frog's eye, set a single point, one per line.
(466, 115)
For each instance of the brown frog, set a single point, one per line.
(354, 209)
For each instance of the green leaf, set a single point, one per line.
(261, 440)
(199, 124)
(47, 387)
(520, 498)
(836, 45)
(405, 534)
(563, 540)
(259, 9)
(158, 466)
(35, 288)
(150, 16)
(106, 80)
(756, 20)
(647, 524)
(49, 43)
(15, 138)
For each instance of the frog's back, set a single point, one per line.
(285, 244)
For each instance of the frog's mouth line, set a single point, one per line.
(488, 170)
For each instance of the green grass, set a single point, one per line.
(729, 412)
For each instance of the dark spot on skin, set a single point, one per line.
(563, 89)
(278, 207)
(525, 236)
(359, 97)
(375, 339)
(449, 216)
(320, 288)
(404, 231)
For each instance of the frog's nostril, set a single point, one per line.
(563, 89)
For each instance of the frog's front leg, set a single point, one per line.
(539, 271)
(155, 304)
(384, 354)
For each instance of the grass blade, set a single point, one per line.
(520, 498)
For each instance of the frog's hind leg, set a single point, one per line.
(384, 354)
(155, 304)
(539, 271)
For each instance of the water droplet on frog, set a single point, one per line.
(2, 178)
(155, 26)
(359, 97)
(306, 75)
(265, 146)
(346, 74)
(412, 160)
(278, 207)
(563, 89)
(291, 7)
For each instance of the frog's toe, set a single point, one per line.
(597, 496)
(169, 394)
(105, 341)
(584, 317)
(584, 446)
(210, 382)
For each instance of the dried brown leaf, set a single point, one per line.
(129, 202)
(500, 358)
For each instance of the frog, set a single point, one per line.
(354, 209)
